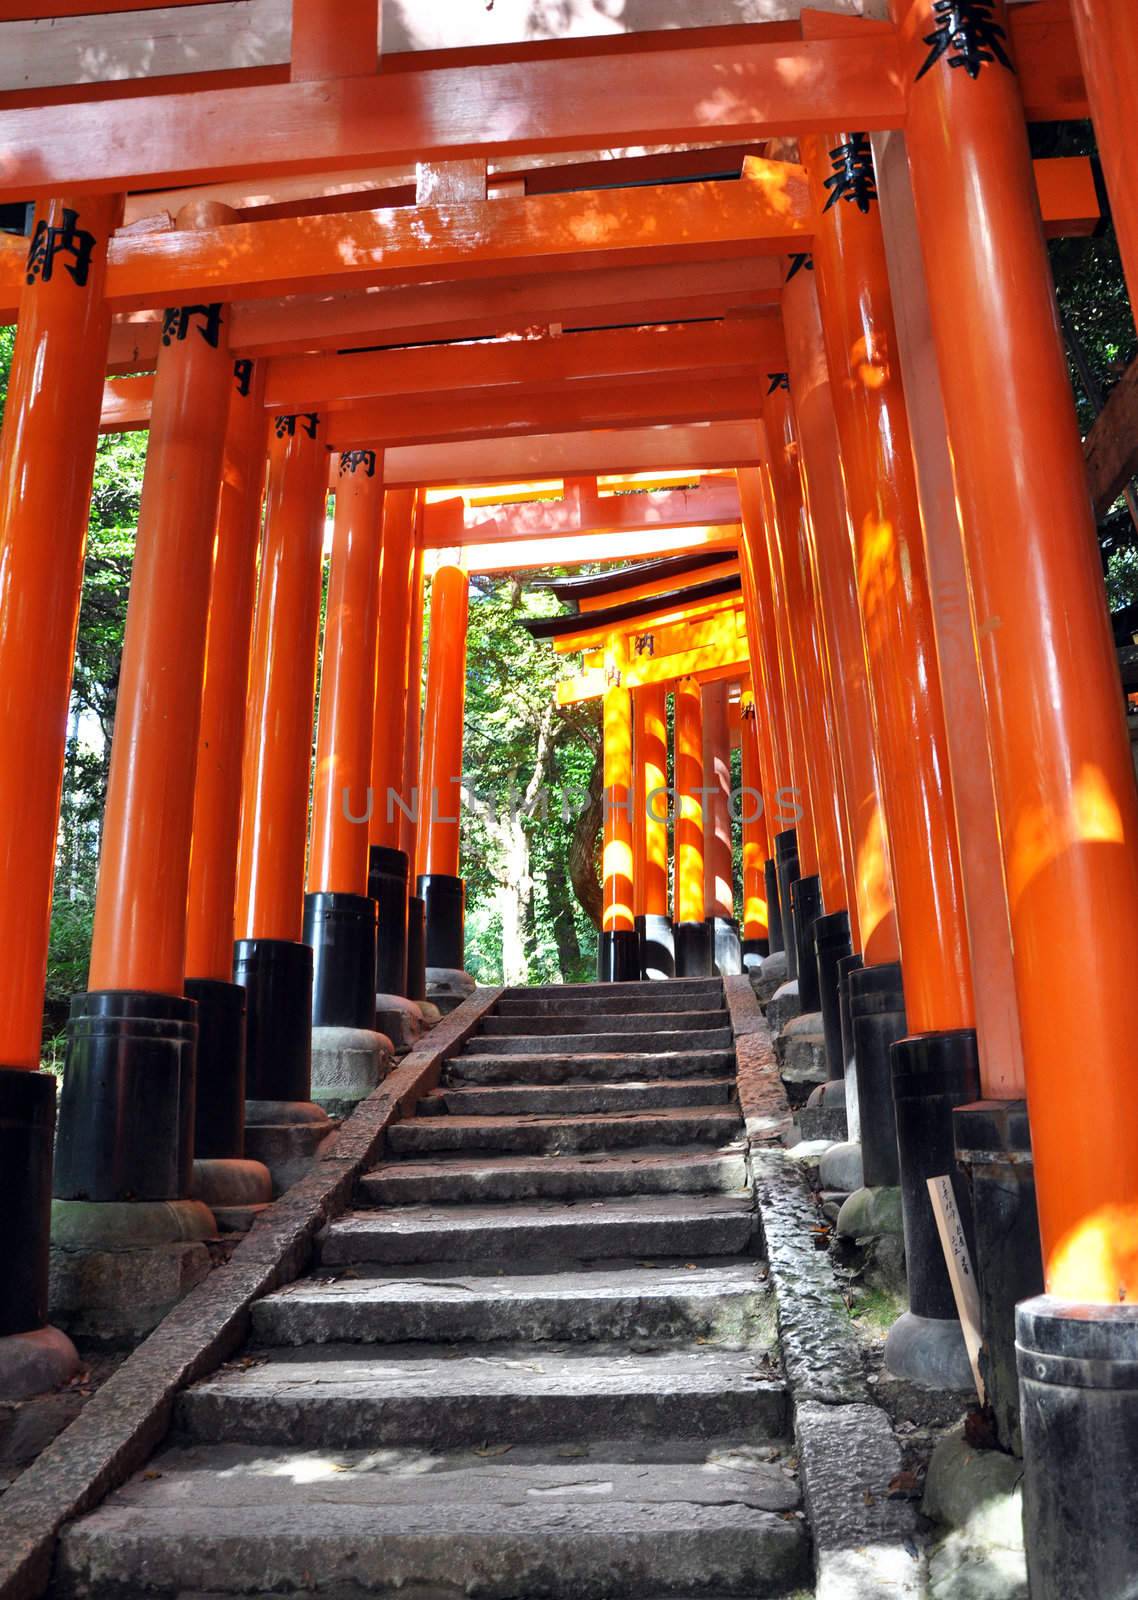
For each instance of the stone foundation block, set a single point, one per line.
(347, 1064)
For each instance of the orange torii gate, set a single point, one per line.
(838, 622)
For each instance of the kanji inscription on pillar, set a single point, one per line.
(966, 35)
(308, 421)
(353, 460)
(243, 375)
(854, 179)
(179, 320)
(64, 239)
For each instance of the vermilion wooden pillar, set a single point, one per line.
(718, 860)
(1064, 783)
(873, 924)
(47, 454)
(270, 957)
(774, 746)
(391, 797)
(877, 459)
(219, 1102)
(650, 889)
(620, 954)
(1107, 31)
(126, 1114)
(821, 882)
(412, 787)
(440, 885)
(756, 936)
(339, 915)
(693, 946)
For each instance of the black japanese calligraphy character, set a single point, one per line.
(286, 426)
(177, 322)
(802, 261)
(352, 460)
(968, 35)
(68, 239)
(854, 179)
(243, 375)
(778, 380)
(645, 644)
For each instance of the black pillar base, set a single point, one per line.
(388, 874)
(657, 946)
(277, 976)
(993, 1147)
(848, 964)
(694, 951)
(932, 1074)
(877, 1019)
(27, 1126)
(341, 930)
(831, 945)
(806, 901)
(726, 946)
(1078, 1373)
(620, 956)
(444, 898)
(126, 1115)
(416, 948)
(219, 1082)
(786, 862)
(774, 910)
(755, 952)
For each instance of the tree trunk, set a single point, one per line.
(584, 851)
(564, 924)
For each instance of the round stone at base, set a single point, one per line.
(236, 1191)
(34, 1363)
(128, 1224)
(287, 1136)
(831, 1093)
(448, 987)
(347, 1064)
(867, 1213)
(400, 1019)
(930, 1352)
(840, 1168)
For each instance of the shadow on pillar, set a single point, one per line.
(387, 881)
(341, 929)
(806, 908)
(932, 1073)
(993, 1147)
(694, 950)
(774, 910)
(657, 946)
(726, 947)
(416, 948)
(619, 956)
(786, 863)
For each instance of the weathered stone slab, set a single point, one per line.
(692, 1225)
(553, 1135)
(442, 1397)
(554, 1177)
(722, 1299)
(643, 1066)
(691, 1041)
(576, 1099)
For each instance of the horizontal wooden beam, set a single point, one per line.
(474, 309)
(1112, 444)
(699, 446)
(574, 549)
(470, 415)
(707, 666)
(594, 633)
(749, 348)
(588, 101)
(659, 585)
(717, 501)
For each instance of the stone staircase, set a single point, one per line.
(537, 1361)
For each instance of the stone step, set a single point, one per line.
(673, 986)
(585, 1021)
(604, 1067)
(416, 1136)
(651, 999)
(724, 1298)
(454, 1180)
(649, 1225)
(229, 1520)
(665, 1040)
(439, 1397)
(521, 1099)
